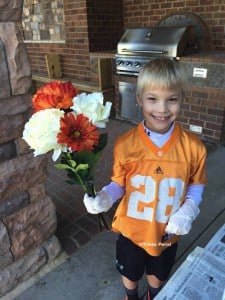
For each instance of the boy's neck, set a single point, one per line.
(159, 139)
(151, 132)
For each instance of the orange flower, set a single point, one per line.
(55, 94)
(77, 133)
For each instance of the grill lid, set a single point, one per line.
(157, 41)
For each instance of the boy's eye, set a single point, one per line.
(173, 99)
(150, 98)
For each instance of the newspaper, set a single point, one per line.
(201, 276)
(217, 244)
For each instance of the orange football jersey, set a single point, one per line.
(156, 180)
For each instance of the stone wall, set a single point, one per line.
(43, 20)
(27, 213)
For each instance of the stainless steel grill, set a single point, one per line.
(139, 45)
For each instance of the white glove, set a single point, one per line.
(181, 221)
(101, 203)
(89, 204)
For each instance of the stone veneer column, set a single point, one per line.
(27, 214)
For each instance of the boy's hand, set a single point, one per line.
(181, 221)
(101, 203)
(89, 204)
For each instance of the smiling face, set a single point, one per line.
(161, 86)
(160, 107)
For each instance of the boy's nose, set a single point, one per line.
(161, 107)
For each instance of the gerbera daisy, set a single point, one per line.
(77, 132)
(55, 94)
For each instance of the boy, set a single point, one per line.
(159, 172)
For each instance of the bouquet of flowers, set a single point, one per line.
(66, 122)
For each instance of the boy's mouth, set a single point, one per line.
(160, 118)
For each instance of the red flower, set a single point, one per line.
(77, 133)
(55, 94)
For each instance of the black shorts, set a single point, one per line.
(132, 261)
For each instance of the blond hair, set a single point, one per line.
(161, 73)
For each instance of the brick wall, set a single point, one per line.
(98, 22)
(204, 104)
(105, 24)
(204, 107)
(74, 54)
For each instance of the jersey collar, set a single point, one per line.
(159, 151)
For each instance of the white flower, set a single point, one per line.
(40, 132)
(91, 106)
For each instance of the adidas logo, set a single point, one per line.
(158, 171)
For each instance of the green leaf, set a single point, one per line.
(63, 166)
(85, 157)
(103, 139)
(72, 163)
(83, 162)
(84, 174)
(81, 167)
(98, 155)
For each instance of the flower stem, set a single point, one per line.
(68, 157)
(89, 188)
(102, 223)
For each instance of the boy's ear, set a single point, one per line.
(139, 100)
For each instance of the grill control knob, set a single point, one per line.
(137, 64)
(119, 63)
(128, 63)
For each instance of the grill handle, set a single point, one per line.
(151, 51)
